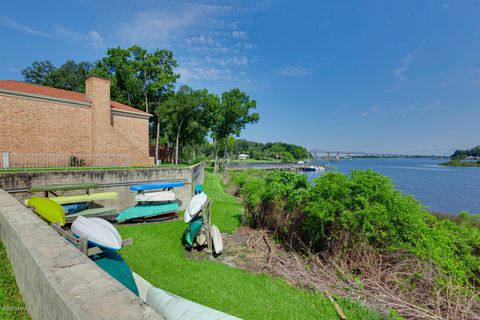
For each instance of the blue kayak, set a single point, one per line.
(147, 211)
(153, 186)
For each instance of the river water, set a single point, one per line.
(442, 189)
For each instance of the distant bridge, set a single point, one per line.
(338, 153)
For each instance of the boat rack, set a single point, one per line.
(82, 242)
(206, 213)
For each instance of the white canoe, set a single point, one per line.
(98, 232)
(195, 206)
(173, 307)
(216, 239)
(160, 196)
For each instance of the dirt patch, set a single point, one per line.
(364, 275)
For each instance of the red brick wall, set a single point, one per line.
(30, 126)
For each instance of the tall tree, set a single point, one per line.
(161, 65)
(235, 115)
(69, 76)
(40, 72)
(119, 67)
(185, 112)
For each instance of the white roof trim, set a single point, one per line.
(127, 113)
(42, 97)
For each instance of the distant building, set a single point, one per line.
(40, 120)
(243, 156)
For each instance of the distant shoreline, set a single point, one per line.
(456, 163)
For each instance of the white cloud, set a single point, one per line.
(96, 39)
(92, 36)
(158, 27)
(237, 34)
(296, 71)
(240, 61)
(12, 24)
(206, 38)
(400, 73)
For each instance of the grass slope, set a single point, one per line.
(227, 210)
(11, 305)
(158, 255)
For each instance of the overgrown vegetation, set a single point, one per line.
(458, 163)
(463, 154)
(231, 290)
(268, 151)
(11, 304)
(345, 218)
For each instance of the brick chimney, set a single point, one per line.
(98, 90)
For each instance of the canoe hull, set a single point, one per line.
(147, 211)
(98, 232)
(160, 196)
(195, 206)
(112, 263)
(48, 209)
(154, 186)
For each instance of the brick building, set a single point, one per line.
(46, 121)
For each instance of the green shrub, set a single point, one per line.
(362, 207)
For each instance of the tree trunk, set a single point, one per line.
(145, 90)
(194, 156)
(157, 139)
(177, 142)
(215, 154)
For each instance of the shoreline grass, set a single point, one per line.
(11, 304)
(457, 163)
(158, 255)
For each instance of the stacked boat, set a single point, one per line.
(98, 232)
(200, 232)
(155, 202)
(74, 205)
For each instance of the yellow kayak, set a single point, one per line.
(48, 209)
(81, 198)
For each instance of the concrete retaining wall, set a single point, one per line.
(55, 280)
(119, 181)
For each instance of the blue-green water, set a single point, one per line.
(443, 189)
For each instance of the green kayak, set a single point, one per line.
(112, 263)
(95, 212)
(147, 211)
(63, 187)
(194, 227)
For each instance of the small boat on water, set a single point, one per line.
(313, 168)
(98, 232)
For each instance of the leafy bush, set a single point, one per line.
(76, 161)
(360, 208)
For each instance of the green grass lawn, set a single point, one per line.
(158, 255)
(256, 161)
(11, 305)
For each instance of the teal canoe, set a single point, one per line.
(113, 264)
(147, 211)
(194, 227)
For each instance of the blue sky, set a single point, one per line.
(377, 76)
